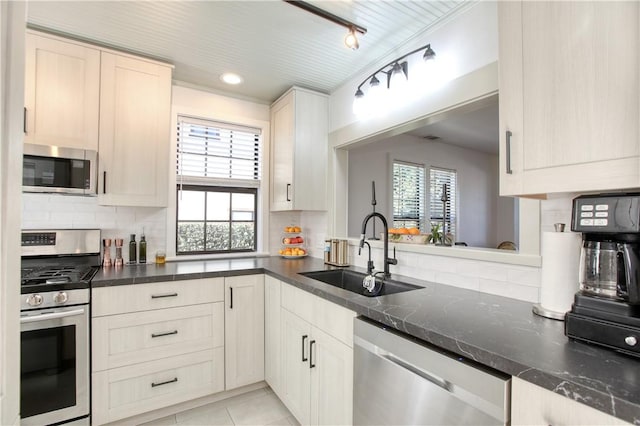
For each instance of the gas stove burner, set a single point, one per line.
(45, 278)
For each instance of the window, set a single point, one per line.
(409, 196)
(443, 181)
(218, 170)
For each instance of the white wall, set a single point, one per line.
(12, 26)
(463, 43)
(477, 185)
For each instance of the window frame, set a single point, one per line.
(439, 219)
(210, 188)
(421, 221)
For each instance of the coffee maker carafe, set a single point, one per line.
(606, 310)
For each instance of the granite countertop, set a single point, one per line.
(498, 332)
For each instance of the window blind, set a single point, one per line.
(213, 151)
(409, 206)
(439, 180)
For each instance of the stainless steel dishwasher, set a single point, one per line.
(401, 381)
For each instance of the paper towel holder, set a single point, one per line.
(548, 313)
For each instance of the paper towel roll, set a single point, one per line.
(560, 266)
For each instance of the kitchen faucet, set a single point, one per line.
(370, 266)
(387, 260)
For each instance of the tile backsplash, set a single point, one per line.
(46, 211)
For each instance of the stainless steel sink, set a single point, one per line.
(352, 281)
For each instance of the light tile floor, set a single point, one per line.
(257, 408)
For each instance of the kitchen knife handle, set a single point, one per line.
(509, 134)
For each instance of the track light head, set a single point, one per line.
(429, 54)
(350, 40)
(374, 81)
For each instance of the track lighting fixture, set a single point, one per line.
(350, 40)
(396, 71)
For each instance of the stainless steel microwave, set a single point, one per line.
(59, 170)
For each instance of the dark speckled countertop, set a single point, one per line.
(499, 332)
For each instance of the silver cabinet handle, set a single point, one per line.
(166, 333)
(160, 296)
(51, 315)
(174, 380)
(508, 160)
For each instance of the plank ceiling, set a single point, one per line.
(270, 43)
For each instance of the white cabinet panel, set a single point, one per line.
(272, 334)
(569, 95)
(123, 392)
(533, 405)
(143, 297)
(244, 330)
(331, 380)
(299, 150)
(135, 102)
(125, 339)
(62, 92)
(296, 379)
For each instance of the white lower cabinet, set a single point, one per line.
(155, 345)
(315, 351)
(244, 330)
(533, 405)
(272, 334)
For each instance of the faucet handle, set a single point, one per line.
(393, 260)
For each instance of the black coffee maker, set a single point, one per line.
(606, 310)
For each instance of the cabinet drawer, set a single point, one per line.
(144, 297)
(334, 320)
(298, 302)
(127, 391)
(127, 339)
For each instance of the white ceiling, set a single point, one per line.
(271, 44)
(476, 130)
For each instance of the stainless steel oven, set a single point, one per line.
(54, 384)
(59, 170)
(57, 268)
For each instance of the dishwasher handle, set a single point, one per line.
(418, 372)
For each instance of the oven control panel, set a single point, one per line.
(38, 239)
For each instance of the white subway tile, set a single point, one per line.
(514, 291)
(457, 280)
(528, 276)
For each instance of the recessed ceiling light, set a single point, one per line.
(231, 78)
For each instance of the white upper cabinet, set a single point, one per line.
(135, 104)
(569, 96)
(299, 132)
(62, 92)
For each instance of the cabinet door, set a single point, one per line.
(244, 330)
(511, 102)
(272, 335)
(135, 102)
(331, 380)
(62, 93)
(296, 377)
(533, 405)
(282, 153)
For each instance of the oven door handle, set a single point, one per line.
(52, 315)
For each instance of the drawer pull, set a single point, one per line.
(311, 343)
(166, 333)
(304, 359)
(174, 380)
(160, 296)
(509, 171)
